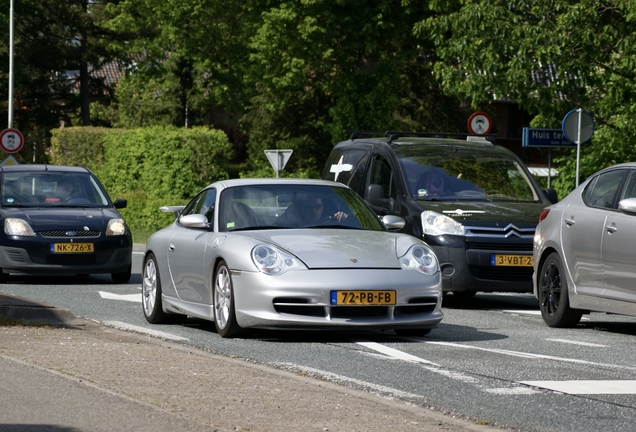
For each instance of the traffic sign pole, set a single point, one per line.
(278, 159)
(580, 124)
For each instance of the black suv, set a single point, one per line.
(474, 202)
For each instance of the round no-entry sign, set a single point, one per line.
(479, 123)
(11, 140)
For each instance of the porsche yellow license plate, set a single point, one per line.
(363, 298)
(72, 248)
(511, 260)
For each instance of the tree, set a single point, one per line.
(548, 56)
(321, 66)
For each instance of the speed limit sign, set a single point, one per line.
(11, 140)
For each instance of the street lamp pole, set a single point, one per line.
(11, 65)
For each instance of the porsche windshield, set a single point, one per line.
(293, 206)
(433, 174)
(51, 189)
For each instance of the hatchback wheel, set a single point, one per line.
(224, 312)
(553, 295)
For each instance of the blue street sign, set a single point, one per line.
(551, 138)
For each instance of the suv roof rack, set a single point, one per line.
(393, 135)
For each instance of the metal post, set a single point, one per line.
(11, 65)
(549, 166)
(578, 145)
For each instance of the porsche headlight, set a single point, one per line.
(116, 227)
(420, 258)
(18, 227)
(438, 224)
(272, 261)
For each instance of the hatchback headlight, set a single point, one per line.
(438, 224)
(273, 261)
(18, 227)
(116, 227)
(420, 258)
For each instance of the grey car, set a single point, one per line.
(292, 254)
(583, 249)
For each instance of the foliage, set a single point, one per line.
(549, 57)
(320, 67)
(150, 167)
(79, 146)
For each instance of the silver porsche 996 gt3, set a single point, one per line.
(289, 254)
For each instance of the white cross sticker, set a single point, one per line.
(340, 167)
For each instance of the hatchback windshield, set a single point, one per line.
(293, 206)
(456, 175)
(51, 189)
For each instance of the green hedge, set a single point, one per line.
(150, 167)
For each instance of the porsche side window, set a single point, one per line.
(194, 205)
(604, 188)
(208, 205)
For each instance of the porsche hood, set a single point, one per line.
(340, 248)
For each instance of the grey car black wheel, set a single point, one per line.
(553, 294)
(224, 313)
(151, 295)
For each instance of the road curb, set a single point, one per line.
(20, 308)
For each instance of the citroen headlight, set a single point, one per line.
(438, 224)
(272, 261)
(18, 227)
(420, 258)
(116, 227)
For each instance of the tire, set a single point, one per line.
(151, 295)
(123, 277)
(224, 312)
(412, 332)
(554, 300)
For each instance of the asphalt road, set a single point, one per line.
(492, 359)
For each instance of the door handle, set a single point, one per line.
(611, 229)
(171, 248)
(569, 222)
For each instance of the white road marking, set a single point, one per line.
(529, 355)
(587, 387)
(522, 311)
(567, 341)
(432, 367)
(343, 379)
(154, 333)
(391, 352)
(125, 297)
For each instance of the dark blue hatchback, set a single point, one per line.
(60, 220)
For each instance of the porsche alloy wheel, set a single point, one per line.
(151, 295)
(553, 295)
(224, 313)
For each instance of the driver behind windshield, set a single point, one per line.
(308, 210)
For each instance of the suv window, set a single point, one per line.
(452, 175)
(381, 175)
